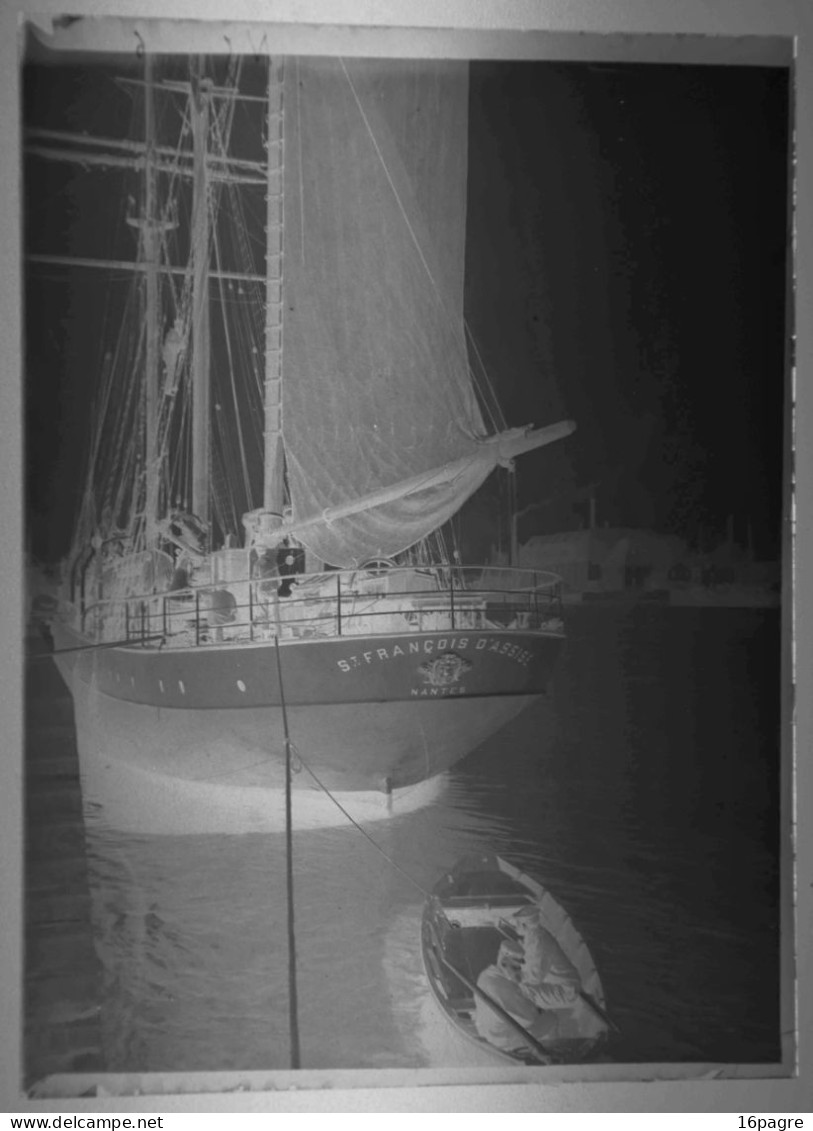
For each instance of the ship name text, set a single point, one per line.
(446, 643)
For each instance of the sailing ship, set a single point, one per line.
(280, 438)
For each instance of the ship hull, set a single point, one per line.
(176, 740)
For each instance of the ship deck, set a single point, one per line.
(238, 608)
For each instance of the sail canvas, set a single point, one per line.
(376, 378)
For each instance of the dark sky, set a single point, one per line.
(635, 221)
(625, 267)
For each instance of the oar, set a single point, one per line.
(588, 1000)
(538, 1049)
(597, 1009)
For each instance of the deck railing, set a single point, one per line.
(344, 603)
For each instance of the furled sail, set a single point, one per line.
(377, 390)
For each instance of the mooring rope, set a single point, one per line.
(361, 829)
(293, 1011)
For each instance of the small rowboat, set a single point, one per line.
(464, 922)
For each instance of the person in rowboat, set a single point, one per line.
(548, 978)
(500, 983)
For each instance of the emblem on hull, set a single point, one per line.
(444, 670)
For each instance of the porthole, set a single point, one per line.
(181, 686)
(161, 685)
(240, 685)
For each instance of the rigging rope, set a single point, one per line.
(395, 192)
(457, 330)
(485, 386)
(483, 381)
(231, 370)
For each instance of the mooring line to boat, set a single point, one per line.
(362, 830)
(537, 1048)
(293, 1012)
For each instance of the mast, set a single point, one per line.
(201, 428)
(152, 327)
(149, 226)
(273, 475)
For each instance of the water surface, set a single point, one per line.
(643, 791)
